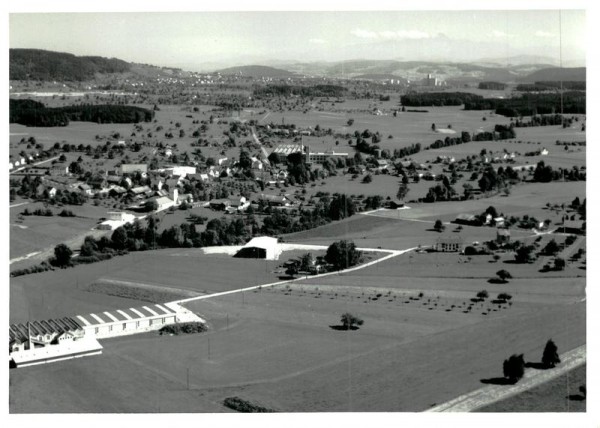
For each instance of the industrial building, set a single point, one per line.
(40, 342)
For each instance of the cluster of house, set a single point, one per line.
(21, 161)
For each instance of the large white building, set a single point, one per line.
(321, 157)
(261, 247)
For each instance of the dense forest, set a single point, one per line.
(551, 86)
(33, 113)
(37, 64)
(573, 102)
(496, 86)
(303, 91)
(438, 99)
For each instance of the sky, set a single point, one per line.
(200, 41)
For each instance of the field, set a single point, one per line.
(406, 228)
(38, 233)
(558, 395)
(277, 348)
(66, 292)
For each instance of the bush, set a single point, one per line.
(183, 328)
(66, 213)
(244, 406)
(504, 275)
(514, 368)
(350, 322)
(439, 226)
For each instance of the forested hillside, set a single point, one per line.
(37, 64)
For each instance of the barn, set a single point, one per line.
(262, 247)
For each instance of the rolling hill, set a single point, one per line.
(575, 74)
(257, 71)
(37, 64)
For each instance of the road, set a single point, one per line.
(490, 394)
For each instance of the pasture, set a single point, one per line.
(36, 233)
(277, 348)
(65, 292)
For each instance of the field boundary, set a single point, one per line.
(490, 394)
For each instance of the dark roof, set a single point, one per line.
(20, 332)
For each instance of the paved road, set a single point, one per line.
(490, 394)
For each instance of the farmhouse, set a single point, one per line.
(181, 171)
(115, 220)
(262, 247)
(131, 168)
(275, 200)
(468, 219)
(502, 236)
(164, 203)
(449, 244)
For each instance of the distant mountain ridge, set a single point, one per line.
(257, 71)
(574, 74)
(38, 64)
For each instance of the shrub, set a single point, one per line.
(349, 321)
(483, 294)
(240, 405)
(66, 213)
(504, 275)
(183, 328)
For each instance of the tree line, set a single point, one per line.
(33, 113)
(531, 104)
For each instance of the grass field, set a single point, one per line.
(35, 233)
(558, 395)
(64, 292)
(406, 228)
(277, 349)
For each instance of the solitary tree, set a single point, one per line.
(350, 322)
(550, 356)
(62, 255)
(306, 262)
(439, 226)
(483, 294)
(559, 264)
(514, 368)
(504, 275)
(551, 248)
(402, 192)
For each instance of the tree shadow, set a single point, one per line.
(343, 328)
(497, 281)
(576, 397)
(537, 366)
(498, 381)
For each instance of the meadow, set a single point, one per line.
(277, 348)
